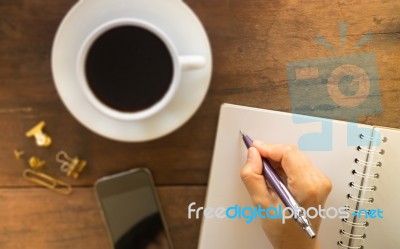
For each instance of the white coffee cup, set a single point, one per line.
(180, 63)
(174, 24)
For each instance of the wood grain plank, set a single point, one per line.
(252, 42)
(39, 218)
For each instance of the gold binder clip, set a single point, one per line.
(71, 166)
(42, 139)
(47, 181)
(36, 163)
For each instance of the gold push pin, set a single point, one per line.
(71, 166)
(36, 163)
(42, 139)
(18, 154)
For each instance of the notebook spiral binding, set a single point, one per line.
(361, 189)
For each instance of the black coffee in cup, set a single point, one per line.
(129, 68)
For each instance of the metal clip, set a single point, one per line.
(42, 139)
(71, 166)
(47, 181)
(18, 154)
(36, 162)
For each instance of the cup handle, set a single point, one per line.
(192, 62)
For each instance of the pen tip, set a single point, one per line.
(310, 232)
(241, 132)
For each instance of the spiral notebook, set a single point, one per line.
(363, 163)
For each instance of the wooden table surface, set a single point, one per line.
(252, 42)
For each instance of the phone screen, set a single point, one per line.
(132, 214)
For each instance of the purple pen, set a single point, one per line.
(277, 185)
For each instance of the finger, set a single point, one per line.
(293, 161)
(274, 152)
(254, 181)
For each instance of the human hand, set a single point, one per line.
(307, 184)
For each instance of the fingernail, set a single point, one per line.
(250, 154)
(258, 143)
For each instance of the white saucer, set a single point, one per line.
(176, 20)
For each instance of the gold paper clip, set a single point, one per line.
(47, 181)
(71, 166)
(42, 139)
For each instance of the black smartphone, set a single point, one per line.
(132, 211)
